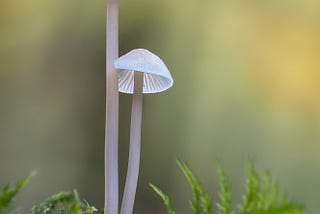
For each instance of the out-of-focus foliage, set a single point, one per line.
(62, 202)
(246, 84)
(165, 198)
(65, 203)
(8, 193)
(263, 196)
(201, 200)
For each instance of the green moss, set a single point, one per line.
(263, 195)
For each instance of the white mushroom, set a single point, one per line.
(140, 71)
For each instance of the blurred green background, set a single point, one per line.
(247, 84)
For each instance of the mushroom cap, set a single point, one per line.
(156, 76)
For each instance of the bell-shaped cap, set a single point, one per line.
(156, 76)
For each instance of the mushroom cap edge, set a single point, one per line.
(157, 77)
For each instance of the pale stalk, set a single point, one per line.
(135, 144)
(112, 110)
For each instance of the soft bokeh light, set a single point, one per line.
(247, 84)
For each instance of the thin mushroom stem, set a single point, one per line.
(134, 150)
(112, 111)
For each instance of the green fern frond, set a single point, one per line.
(66, 202)
(202, 202)
(251, 198)
(264, 192)
(59, 199)
(225, 195)
(165, 198)
(11, 190)
(263, 195)
(195, 185)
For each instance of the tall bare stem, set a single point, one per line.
(135, 144)
(112, 111)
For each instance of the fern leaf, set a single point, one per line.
(202, 203)
(225, 196)
(251, 198)
(11, 190)
(265, 197)
(165, 198)
(67, 202)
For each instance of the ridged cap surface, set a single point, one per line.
(156, 76)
